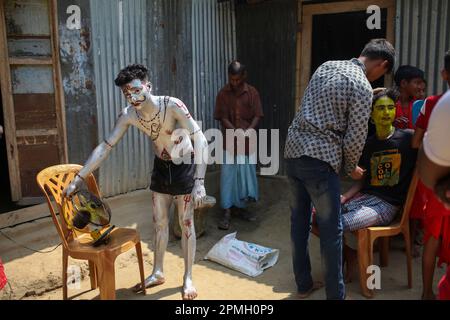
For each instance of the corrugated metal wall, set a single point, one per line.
(169, 48)
(266, 37)
(422, 37)
(119, 34)
(187, 45)
(213, 48)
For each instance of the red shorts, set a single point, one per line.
(3, 279)
(444, 286)
(437, 225)
(418, 207)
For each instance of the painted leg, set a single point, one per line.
(161, 205)
(185, 209)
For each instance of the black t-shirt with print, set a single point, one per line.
(390, 164)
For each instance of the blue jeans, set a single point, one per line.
(314, 181)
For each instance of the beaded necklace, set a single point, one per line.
(154, 128)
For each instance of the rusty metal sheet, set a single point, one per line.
(37, 140)
(27, 17)
(32, 159)
(29, 48)
(34, 111)
(32, 79)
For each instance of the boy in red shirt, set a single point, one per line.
(409, 81)
(436, 217)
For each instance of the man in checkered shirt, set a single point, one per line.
(330, 128)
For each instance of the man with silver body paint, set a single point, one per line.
(158, 117)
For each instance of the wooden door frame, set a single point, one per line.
(8, 102)
(8, 109)
(304, 33)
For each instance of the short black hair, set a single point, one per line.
(380, 49)
(390, 93)
(408, 73)
(131, 72)
(447, 61)
(236, 68)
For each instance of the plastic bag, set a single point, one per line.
(248, 258)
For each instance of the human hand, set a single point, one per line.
(378, 90)
(73, 187)
(343, 199)
(358, 173)
(401, 122)
(198, 193)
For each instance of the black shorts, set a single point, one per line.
(173, 179)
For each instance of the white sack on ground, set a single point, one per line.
(248, 258)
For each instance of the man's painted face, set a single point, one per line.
(383, 113)
(136, 92)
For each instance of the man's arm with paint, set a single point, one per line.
(99, 154)
(184, 118)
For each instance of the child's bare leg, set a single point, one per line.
(428, 265)
(413, 231)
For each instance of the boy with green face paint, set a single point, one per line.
(389, 160)
(383, 115)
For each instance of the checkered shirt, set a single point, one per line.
(332, 123)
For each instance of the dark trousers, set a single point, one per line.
(315, 182)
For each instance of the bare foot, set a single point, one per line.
(430, 296)
(316, 286)
(151, 281)
(189, 291)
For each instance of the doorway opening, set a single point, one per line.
(338, 36)
(338, 31)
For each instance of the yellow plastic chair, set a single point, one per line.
(367, 236)
(53, 181)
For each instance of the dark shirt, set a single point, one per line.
(390, 165)
(240, 108)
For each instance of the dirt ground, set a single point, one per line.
(38, 275)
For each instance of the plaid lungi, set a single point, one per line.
(365, 210)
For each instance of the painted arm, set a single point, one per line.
(186, 121)
(99, 154)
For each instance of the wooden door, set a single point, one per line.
(307, 12)
(31, 93)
